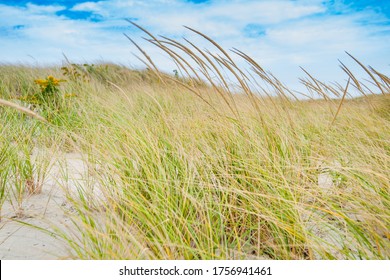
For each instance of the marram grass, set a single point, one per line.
(200, 167)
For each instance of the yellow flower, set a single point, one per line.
(48, 84)
(54, 81)
(40, 82)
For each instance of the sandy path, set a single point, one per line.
(49, 210)
(20, 241)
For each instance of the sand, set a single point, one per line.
(30, 232)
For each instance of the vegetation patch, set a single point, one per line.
(211, 162)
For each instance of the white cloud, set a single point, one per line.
(87, 6)
(45, 36)
(39, 9)
(231, 16)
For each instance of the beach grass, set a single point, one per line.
(206, 165)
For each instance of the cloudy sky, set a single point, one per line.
(280, 34)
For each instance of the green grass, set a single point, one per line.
(207, 170)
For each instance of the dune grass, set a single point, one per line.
(216, 163)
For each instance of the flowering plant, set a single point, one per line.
(49, 85)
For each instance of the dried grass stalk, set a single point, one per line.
(22, 109)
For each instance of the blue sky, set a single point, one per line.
(280, 34)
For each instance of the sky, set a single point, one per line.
(281, 35)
